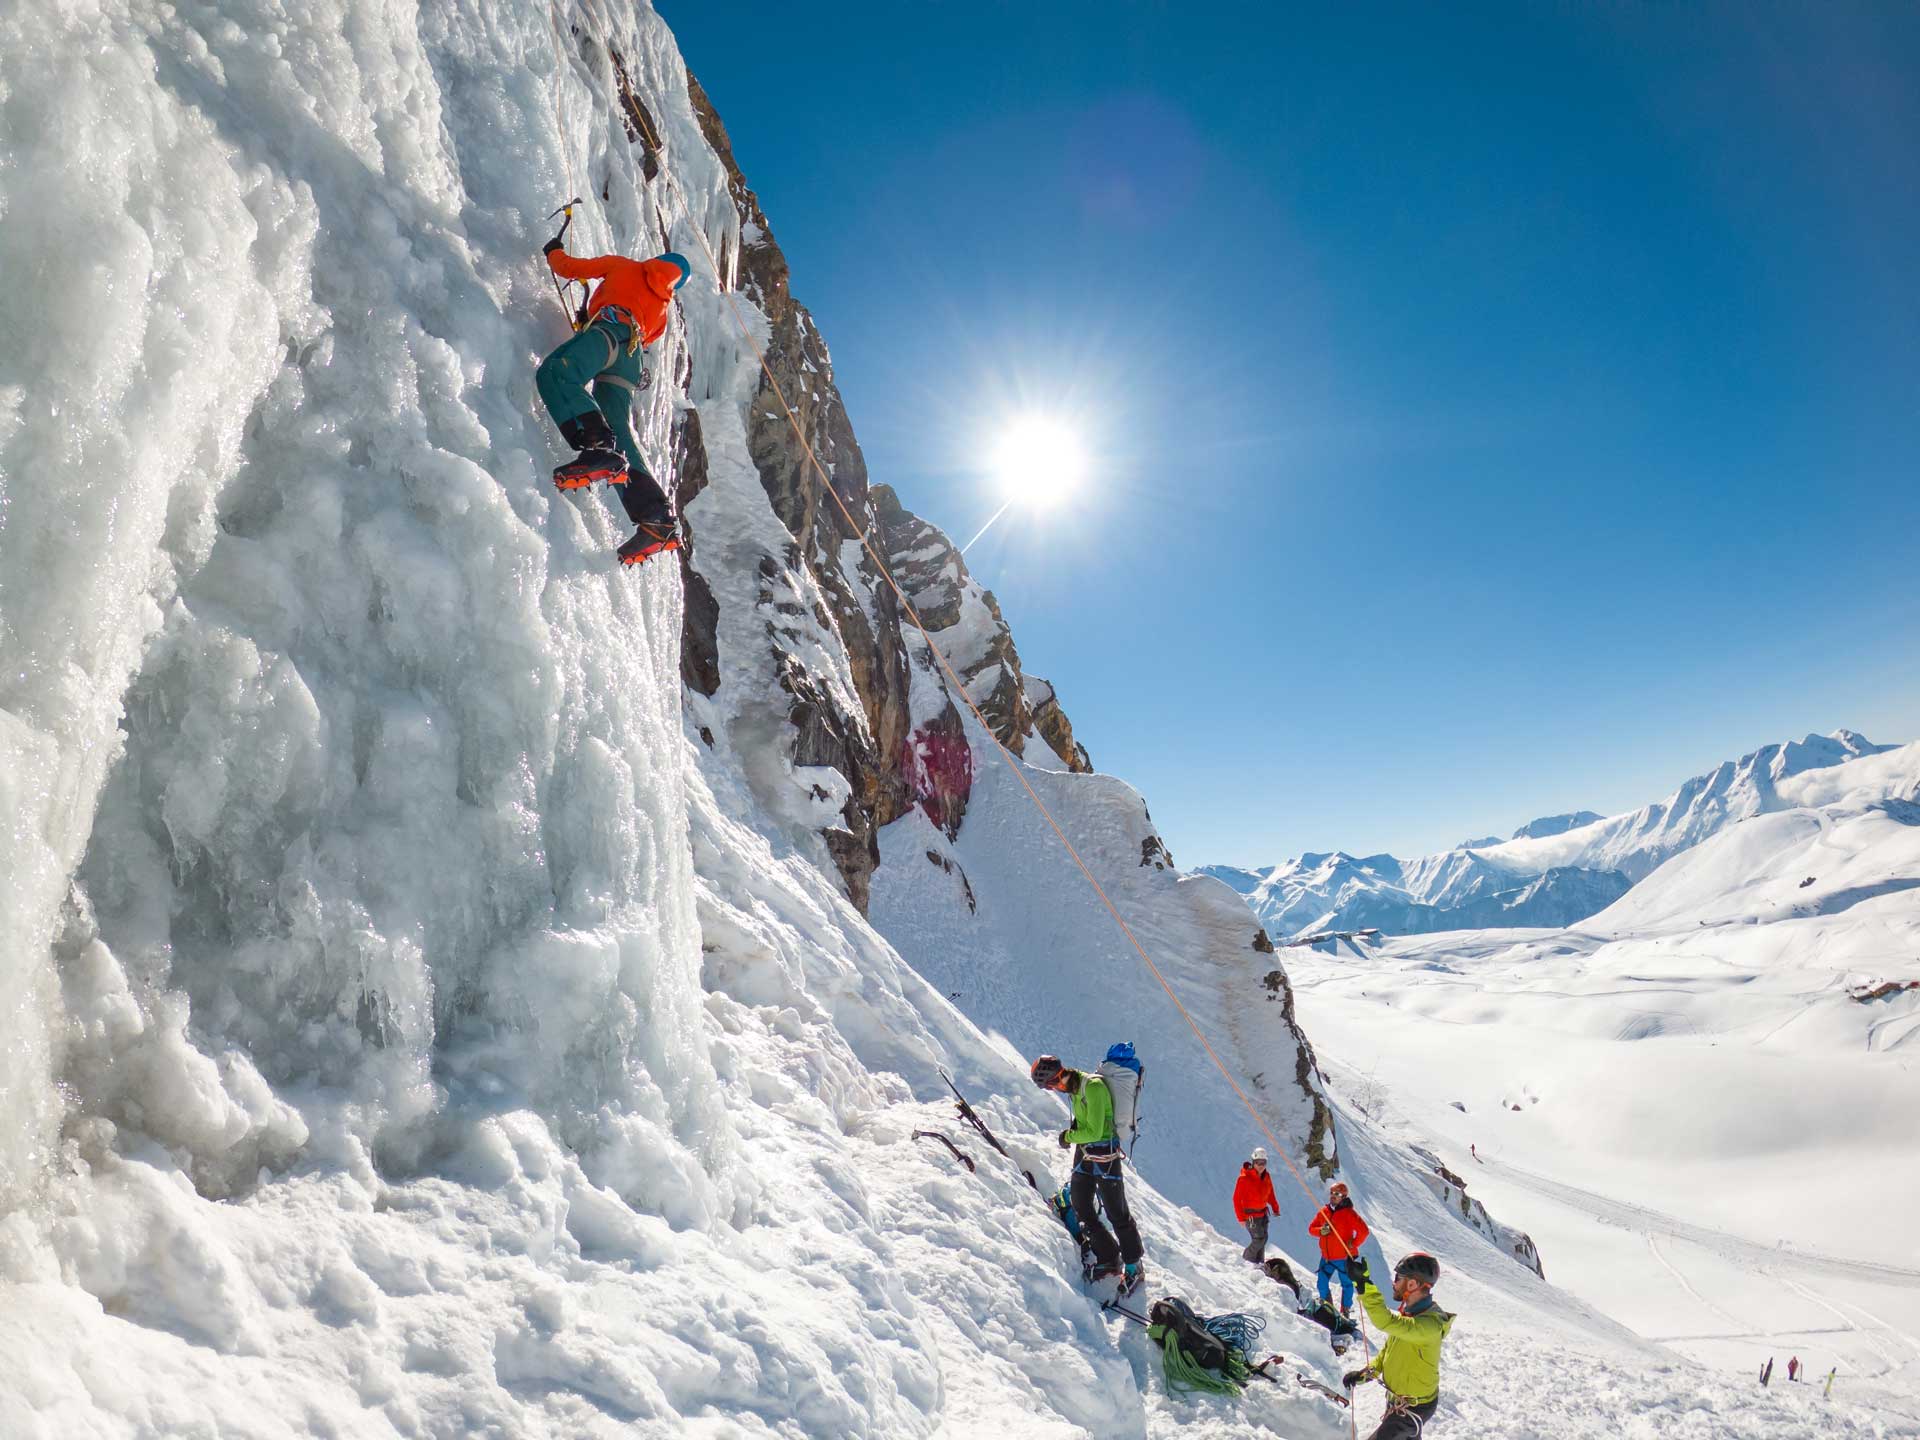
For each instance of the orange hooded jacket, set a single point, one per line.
(643, 288)
(1341, 1231)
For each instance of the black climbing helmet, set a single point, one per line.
(1419, 1266)
(1047, 1071)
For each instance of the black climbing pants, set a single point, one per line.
(1091, 1178)
(1405, 1422)
(1256, 1250)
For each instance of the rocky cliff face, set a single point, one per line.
(896, 735)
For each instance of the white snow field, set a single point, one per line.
(1710, 1140)
(413, 1027)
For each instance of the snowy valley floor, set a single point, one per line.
(1683, 1168)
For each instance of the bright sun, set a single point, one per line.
(1039, 461)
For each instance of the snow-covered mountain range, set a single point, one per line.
(453, 986)
(1553, 871)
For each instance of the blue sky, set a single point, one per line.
(1495, 410)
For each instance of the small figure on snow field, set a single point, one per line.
(1793, 1368)
(1766, 1372)
(1341, 1233)
(1827, 1389)
(1253, 1202)
(1408, 1363)
(627, 312)
(1097, 1161)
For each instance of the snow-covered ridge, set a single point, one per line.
(1560, 869)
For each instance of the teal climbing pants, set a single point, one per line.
(598, 358)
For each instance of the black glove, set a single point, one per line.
(1066, 1144)
(1353, 1378)
(1357, 1271)
(556, 243)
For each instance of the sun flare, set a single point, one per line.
(1039, 461)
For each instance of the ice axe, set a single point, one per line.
(576, 317)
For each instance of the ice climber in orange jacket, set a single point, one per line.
(628, 311)
(1341, 1233)
(1252, 1202)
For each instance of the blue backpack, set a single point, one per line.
(1126, 1077)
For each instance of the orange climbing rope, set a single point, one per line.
(958, 687)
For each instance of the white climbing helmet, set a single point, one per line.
(1259, 1153)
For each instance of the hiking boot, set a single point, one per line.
(650, 538)
(589, 466)
(1106, 1272)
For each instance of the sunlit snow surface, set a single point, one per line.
(1710, 1140)
(410, 1028)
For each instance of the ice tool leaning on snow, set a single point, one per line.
(628, 311)
(1409, 1362)
(1096, 1171)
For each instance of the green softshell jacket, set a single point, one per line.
(1409, 1363)
(1092, 1112)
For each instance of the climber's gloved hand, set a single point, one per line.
(1065, 1143)
(1352, 1378)
(1357, 1271)
(556, 243)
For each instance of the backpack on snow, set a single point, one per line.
(1178, 1325)
(1126, 1077)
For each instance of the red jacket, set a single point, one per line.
(643, 288)
(1341, 1224)
(1253, 1194)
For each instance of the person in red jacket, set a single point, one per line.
(1341, 1232)
(1252, 1202)
(627, 312)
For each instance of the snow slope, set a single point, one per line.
(1709, 1139)
(424, 1018)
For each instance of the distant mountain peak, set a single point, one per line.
(1555, 825)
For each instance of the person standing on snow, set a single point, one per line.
(1408, 1364)
(1252, 1202)
(628, 311)
(1341, 1233)
(1096, 1171)
(1793, 1368)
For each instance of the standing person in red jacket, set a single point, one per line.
(1341, 1233)
(1252, 1202)
(628, 311)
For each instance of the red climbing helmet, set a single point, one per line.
(1337, 1190)
(1048, 1072)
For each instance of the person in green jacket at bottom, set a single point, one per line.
(1409, 1362)
(1096, 1171)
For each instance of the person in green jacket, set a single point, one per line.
(1408, 1363)
(1096, 1171)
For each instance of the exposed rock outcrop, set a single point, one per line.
(891, 757)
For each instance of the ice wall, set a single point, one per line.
(343, 772)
